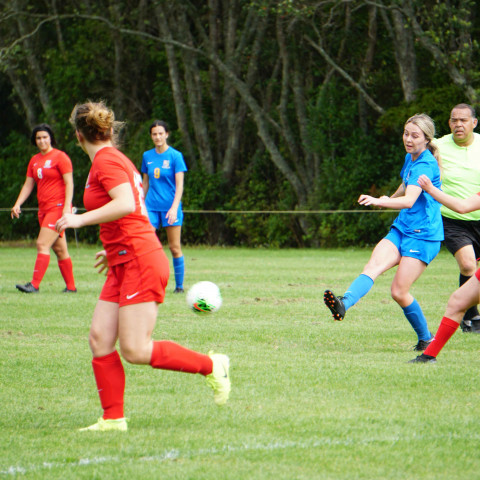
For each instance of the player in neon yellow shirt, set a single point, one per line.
(460, 152)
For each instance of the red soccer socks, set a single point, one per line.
(41, 265)
(66, 269)
(172, 356)
(445, 330)
(110, 378)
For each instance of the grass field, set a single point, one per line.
(311, 398)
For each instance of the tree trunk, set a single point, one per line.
(174, 73)
(404, 49)
(34, 66)
(25, 97)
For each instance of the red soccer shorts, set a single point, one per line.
(49, 218)
(142, 279)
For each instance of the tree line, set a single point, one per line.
(276, 105)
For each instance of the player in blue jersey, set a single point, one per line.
(163, 170)
(414, 237)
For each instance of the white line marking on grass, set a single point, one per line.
(175, 454)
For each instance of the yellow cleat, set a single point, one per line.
(219, 379)
(117, 424)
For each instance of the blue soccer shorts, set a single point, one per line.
(424, 250)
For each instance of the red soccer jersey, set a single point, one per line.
(47, 171)
(129, 236)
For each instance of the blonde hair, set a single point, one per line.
(96, 122)
(427, 126)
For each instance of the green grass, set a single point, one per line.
(311, 398)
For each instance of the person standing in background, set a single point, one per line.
(51, 171)
(460, 151)
(163, 170)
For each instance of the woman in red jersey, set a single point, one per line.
(51, 171)
(137, 273)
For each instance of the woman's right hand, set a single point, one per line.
(15, 211)
(368, 200)
(102, 263)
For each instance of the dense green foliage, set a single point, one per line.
(277, 106)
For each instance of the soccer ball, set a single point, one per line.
(204, 297)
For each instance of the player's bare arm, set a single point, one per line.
(122, 204)
(412, 192)
(460, 205)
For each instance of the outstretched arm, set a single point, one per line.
(412, 192)
(460, 205)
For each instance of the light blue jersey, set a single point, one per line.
(161, 169)
(423, 219)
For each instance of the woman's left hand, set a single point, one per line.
(171, 216)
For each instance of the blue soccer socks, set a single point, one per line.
(358, 289)
(179, 270)
(417, 320)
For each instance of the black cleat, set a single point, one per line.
(179, 290)
(466, 326)
(335, 305)
(474, 324)
(27, 288)
(422, 345)
(66, 290)
(423, 359)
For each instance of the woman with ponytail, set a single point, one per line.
(137, 274)
(415, 236)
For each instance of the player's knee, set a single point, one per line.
(397, 294)
(467, 265)
(42, 246)
(133, 355)
(176, 250)
(95, 344)
(468, 270)
(99, 345)
(457, 303)
(60, 251)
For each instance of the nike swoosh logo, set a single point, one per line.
(51, 224)
(149, 163)
(129, 297)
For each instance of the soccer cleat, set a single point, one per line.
(27, 288)
(472, 325)
(66, 290)
(422, 345)
(109, 425)
(219, 379)
(335, 304)
(466, 326)
(179, 290)
(423, 359)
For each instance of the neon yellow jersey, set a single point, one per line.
(461, 173)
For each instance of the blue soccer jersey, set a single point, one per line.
(161, 169)
(423, 219)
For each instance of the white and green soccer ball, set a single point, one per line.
(204, 297)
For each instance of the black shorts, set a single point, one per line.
(459, 233)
